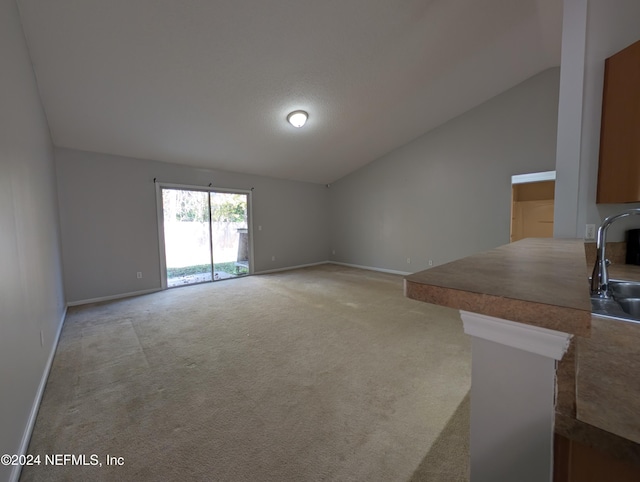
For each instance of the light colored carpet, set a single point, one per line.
(319, 374)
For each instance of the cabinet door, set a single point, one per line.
(619, 167)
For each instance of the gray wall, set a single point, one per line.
(447, 194)
(31, 297)
(592, 31)
(512, 413)
(109, 224)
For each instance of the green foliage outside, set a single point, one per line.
(194, 206)
(206, 268)
(233, 210)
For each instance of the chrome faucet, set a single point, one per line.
(600, 275)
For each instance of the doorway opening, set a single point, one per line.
(532, 205)
(205, 234)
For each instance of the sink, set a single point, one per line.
(625, 304)
(631, 306)
(624, 289)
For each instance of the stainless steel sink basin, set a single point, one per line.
(631, 306)
(625, 304)
(625, 289)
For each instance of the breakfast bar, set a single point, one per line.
(521, 303)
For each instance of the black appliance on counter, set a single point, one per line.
(633, 246)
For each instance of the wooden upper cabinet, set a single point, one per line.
(619, 167)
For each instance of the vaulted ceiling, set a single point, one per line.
(208, 83)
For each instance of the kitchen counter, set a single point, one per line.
(603, 373)
(540, 282)
(520, 304)
(544, 283)
(624, 272)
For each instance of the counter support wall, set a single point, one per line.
(513, 386)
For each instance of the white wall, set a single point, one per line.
(31, 296)
(447, 194)
(109, 224)
(593, 31)
(512, 413)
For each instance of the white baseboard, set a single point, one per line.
(350, 265)
(372, 268)
(113, 297)
(288, 268)
(266, 271)
(26, 437)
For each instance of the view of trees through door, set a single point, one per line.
(206, 235)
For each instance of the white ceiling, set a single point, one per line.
(209, 83)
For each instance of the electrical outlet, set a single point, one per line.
(408, 260)
(430, 262)
(590, 231)
(260, 228)
(333, 251)
(273, 258)
(41, 338)
(139, 274)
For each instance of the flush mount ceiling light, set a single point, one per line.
(297, 118)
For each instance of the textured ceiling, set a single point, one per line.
(209, 83)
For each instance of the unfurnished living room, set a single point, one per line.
(212, 214)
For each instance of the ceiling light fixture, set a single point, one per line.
(297, 118)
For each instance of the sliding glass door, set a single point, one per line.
(187, 237)
(206, 235)
(230, 234)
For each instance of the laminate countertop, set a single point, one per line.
(536, 281)
(544, 282)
